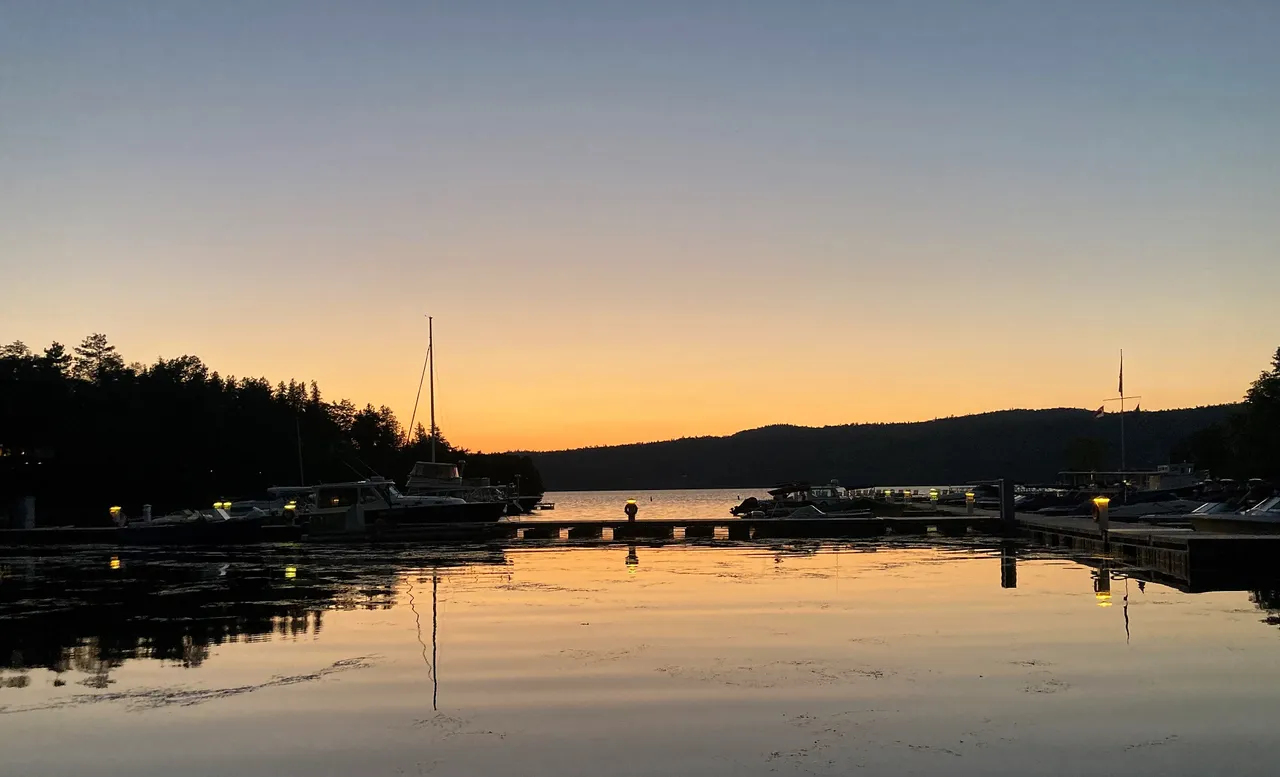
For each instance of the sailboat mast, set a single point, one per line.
(431, 360)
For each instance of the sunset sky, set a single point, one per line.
(645, 220)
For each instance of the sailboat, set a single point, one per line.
(436, 479)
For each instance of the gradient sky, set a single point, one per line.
(643, 220)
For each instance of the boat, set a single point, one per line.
(376, 506)
(441, 479)
(1262, 518)
(444, 479)
(216, 526)
(811, 512)
(788, 497)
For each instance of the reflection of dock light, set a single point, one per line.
(115, 562)
(291, 506)
(115, 511)
(290, 572)
(1103, 598)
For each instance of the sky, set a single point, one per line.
(644, 220)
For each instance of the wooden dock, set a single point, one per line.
(1189, 560)
(615, 530)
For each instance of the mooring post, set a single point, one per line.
(970, 498)
(1101, 514)
(1007, 515)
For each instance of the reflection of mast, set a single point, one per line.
(435, 680)
(431, 662)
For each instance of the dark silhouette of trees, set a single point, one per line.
(1027, 445)
(85, 432)
(1246, 444)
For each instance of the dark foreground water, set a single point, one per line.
(681, 660)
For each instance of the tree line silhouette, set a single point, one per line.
(1231, 441)
(1029, 446)
(1245, 444)
(82, 431)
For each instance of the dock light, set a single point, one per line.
(222, 505)
(290, 572)
(115, 562)
(1100, 511)
(291, 506)
(970, 499)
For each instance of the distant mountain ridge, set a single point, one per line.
(1028, 445)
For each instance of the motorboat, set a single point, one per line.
(786, 498)
(215, 526)
(442, 479)
(811, 512)
(1262, 518)
(377, 505)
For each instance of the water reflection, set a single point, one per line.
(91, 614)
(87, 614)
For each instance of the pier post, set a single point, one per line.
(1101, 514)
(1007, 515)
(970, 499)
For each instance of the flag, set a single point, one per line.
(1122, 372)
(1100, 412)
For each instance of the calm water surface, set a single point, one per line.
(675, 503)
(681, 660)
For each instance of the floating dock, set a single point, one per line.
(1186, 559)
(729, 528)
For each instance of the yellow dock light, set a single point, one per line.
(1102, 501)
(291, 506)
(116, 510)
(970, 499)
(290, 572)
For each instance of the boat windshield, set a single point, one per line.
(1271, 505)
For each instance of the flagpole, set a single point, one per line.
(1122, 457)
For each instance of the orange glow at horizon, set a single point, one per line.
(583, 388)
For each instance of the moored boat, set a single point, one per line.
(376, 506)
(1263, 518)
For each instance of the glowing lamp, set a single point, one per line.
(970, 495)
(1102, 501)
(291, 506)
(115, 562)
(290, 572)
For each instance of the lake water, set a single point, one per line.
(802, 658)
(675, 503)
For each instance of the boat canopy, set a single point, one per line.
(435, 470)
